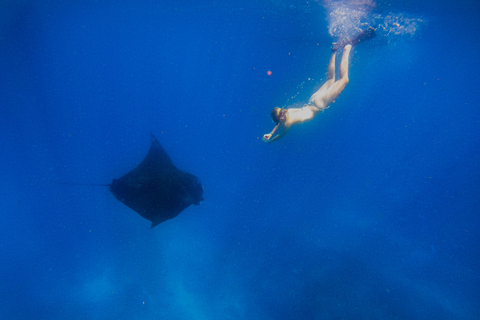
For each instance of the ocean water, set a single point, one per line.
(369, 211)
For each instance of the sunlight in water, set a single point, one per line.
(397, 24)
(347, 17)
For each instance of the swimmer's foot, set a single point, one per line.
(365, 35)
(342, 42)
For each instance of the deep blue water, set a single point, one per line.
(370, 211)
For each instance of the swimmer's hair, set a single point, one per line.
(278, 115)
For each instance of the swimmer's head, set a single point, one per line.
(278, 115)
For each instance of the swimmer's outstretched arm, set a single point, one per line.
(268, 137)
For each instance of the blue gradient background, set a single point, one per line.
(371, 211)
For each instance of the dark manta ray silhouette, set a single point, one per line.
(156, 189)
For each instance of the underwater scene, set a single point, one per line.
(257, 159)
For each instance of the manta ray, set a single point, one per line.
(156, 189)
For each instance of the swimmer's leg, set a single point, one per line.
(331, 68)
(343, 80)
(330, 76)
(343, 73)
(327, 85)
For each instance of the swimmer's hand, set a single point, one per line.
(266, 137)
